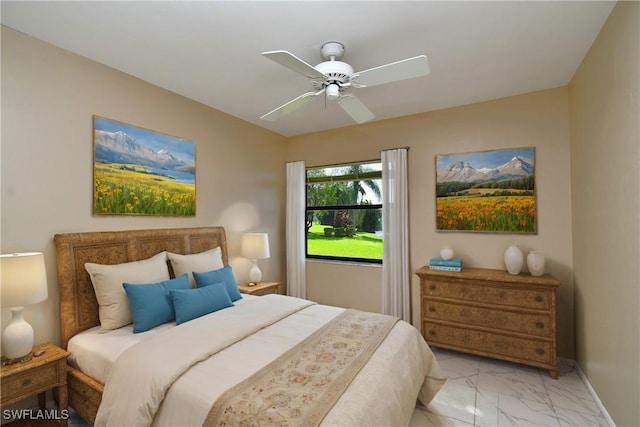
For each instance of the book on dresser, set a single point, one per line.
(445, 268)
(454, 264)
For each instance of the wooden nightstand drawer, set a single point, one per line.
(262, 288)
(46, 371)
(266, 291)
(30, 382)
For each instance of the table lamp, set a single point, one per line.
(255, 246)
(23, 281)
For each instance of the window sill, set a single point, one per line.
(341, 262)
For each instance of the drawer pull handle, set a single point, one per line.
(432, 287)
(432, 332)
(501, 294)
(432, 309)
(539, 325)
(26, 382)
(539, 351)
(539, 298)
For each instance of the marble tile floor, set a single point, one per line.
(488, 393)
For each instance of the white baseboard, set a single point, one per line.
(607, 417)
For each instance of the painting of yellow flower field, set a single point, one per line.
(141, 172)
(487, 191)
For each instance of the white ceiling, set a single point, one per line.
(210, 51)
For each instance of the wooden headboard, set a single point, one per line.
(78, 304)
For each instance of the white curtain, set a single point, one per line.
(395, 225)
(296, 252)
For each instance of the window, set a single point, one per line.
(344, 212)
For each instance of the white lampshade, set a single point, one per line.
(23, 281)
(255, 246)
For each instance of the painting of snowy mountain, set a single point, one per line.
(141, 172)
(486, 191)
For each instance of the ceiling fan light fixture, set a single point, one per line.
(333, 92)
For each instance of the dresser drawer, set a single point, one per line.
(526, 323)
(31, 381)
(486, 293)
(489, 344)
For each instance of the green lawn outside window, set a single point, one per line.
(362, 245)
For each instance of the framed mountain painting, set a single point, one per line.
(140, 172)
(487, 191)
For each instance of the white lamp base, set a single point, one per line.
(17, 338)
(255, 275)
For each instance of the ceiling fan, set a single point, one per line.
(335, 78)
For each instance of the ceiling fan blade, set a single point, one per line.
(293, 63)
(355, 108)
(393, 72)
(291, 106)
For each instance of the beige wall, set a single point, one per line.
(48, 99)
(539, 120)
(326, 284)
(605, 164)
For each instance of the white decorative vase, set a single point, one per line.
(513, 259)
(446, 253)
(535, 263)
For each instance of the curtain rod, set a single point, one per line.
(396, 148)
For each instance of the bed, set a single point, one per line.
(214, 369)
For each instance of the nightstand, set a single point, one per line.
(41, 373)
(262, 288)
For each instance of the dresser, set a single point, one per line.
(491, 313)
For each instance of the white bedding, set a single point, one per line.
(383, 393)
(94, 351)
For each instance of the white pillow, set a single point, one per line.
(203, 262)
(107, 282)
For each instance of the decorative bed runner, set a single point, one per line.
(302, 385)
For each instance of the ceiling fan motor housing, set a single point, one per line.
(335, 72)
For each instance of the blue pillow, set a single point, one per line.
(192, 303)
(151, 305)
(224, 275)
